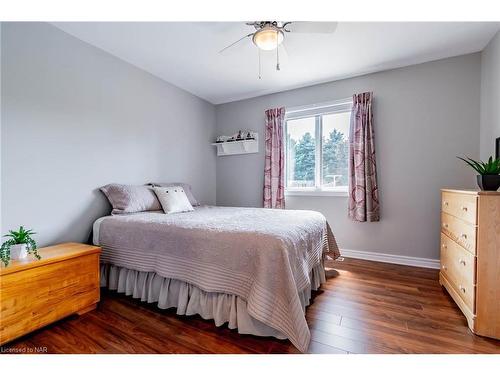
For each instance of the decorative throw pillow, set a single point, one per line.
(173, 199)
(130, 198)
(186, 187)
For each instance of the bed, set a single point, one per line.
(252, 268)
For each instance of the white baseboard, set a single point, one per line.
(390, 258)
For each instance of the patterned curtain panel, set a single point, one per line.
(274, 169)
(363, 187)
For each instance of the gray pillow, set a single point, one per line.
(131, 198)
(186, 187)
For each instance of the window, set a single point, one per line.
(317, 149)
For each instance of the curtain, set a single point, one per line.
(363, 187)
(274, 169)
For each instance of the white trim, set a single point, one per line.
(317, 111)
(391, 258)
(317, 193)
(340, 105)
(318, 159)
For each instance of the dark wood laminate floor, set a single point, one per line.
(365, 307)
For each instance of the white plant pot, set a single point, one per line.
(18, 251)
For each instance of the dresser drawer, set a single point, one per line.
(459, 267)
(462, 232)
(463, 206)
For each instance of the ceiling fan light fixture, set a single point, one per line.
(268, 38)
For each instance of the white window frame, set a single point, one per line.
(315, 110)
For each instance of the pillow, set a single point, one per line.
(173, 199)
(186, 187)
(130, 198)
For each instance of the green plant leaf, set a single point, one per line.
(472, 164)
(491, 167)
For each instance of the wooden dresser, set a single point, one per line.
(34, 293)
(470, 256)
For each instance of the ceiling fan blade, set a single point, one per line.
(232, 44)
(311, 27)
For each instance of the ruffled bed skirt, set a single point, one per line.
(191, 300)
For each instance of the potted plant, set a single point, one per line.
(489, 172)
(18, 246)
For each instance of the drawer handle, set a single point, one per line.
(445, 225)
(443, 267)
(464, 208)
(444, 246)
(445, 203)
(461, 261)
(464, 236)
(462, 289)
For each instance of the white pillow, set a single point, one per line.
(173, 199)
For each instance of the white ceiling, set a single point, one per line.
(186, 53)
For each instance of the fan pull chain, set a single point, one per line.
(259, 66)
(277, 53)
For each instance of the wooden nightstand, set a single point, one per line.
(34, 293)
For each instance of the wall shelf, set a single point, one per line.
(250, 146)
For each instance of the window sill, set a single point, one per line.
(317, 193)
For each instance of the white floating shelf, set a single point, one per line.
(250, 146)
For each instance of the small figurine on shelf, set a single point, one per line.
(242, 135)
(222, 139)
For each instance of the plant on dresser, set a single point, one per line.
(18, 246)
(488, 178)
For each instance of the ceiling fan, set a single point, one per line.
(269, 35)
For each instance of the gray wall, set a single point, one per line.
(424, 116)
(1, 232)
(490, 97)
(75, 118)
